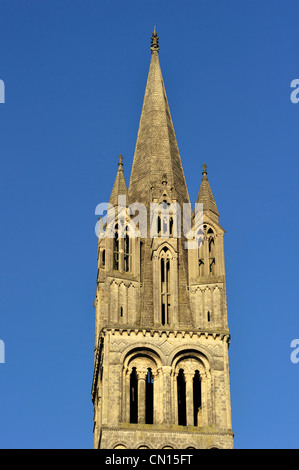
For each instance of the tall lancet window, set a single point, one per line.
(149, 398)
(201, 262)
(181, 385)
(127, 252)
(211, 241)
(133, 396)
(165, 287)
(116, 249)
(197, 399)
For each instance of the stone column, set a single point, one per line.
(141, 376)
(189, 398)
(156, 397)
(166, 404)
(204, 401)
(127, 395)
(175, 399)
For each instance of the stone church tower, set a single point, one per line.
(161, 369)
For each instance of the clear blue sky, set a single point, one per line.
(75, 73)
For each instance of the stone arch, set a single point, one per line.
(167, 245)
(141, 385)
(143, 347)
(142, 445)
(200, 351)
(191, 386)
(119, 446)
(211, 225)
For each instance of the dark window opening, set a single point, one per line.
(127, 253)
(171, 227)
(212, 265)
(209, 317)
(181, 385)
(121, 312)
(103, 257)
(149, 398)
(201, 267)
(133, 396)
(212, 254)
(163, 314)
(159, 225)
(196, 396)
(116, 249)
(165, 290)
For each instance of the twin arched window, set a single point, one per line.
(194, 400)
(118, 261)
(143, 382)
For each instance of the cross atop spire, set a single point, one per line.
(204, 169)
(155, 41)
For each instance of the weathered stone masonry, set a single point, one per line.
(161, 370)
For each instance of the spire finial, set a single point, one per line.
(155, 41)
(204, 169)
(120, 161)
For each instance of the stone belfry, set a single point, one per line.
(161, 369)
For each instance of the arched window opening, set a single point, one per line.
(103, 257)
(133, 396)
(211, 251)
(121, 312)
(197, 398)
(209, 316)
(201, 263)
(149, 398)
(127, 253)
(165, 287)
(159, 224)
(116, 249)
(181, 387)
(171, 226)
(165, 225)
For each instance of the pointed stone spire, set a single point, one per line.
(119, 187)
(156, 151)
(205, 195)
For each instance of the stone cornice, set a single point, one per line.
(164, 429)
(169, 333)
